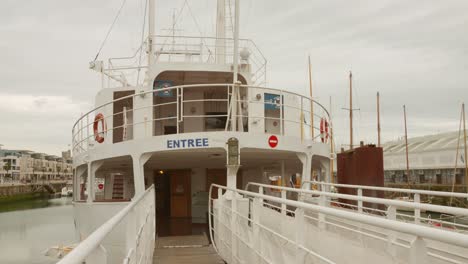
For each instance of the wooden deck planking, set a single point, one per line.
(185, 249)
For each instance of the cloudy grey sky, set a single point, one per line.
(413, 52)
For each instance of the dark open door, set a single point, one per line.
(181, 204)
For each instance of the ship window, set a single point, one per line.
(215, 121)
(273, 120)
(123, 117)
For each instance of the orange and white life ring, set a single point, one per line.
(99, 137)
(324, 130)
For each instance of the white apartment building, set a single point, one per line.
(28, 166)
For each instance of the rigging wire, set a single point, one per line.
(110, 29)
(142, 38)
(198, 28)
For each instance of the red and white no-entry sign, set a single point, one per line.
(101, 186)
(273, 141)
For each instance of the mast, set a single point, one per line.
(236, 41)
(378, 119)
(350, 110)
(311, 102)
(464, 139)
(332, 146)
(151, 30)
(406, 144)
(221, 32)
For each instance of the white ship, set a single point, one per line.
(186, 156)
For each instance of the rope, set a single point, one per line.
(110, 29)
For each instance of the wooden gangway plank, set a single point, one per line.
(185, 249)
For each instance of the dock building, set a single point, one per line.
(432, 159)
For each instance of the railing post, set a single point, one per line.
(178, 109)
(299, 225)
(417, 211)
(256, 228)
(418, 251)
(87, 131)
(233, 227)
(321, 216)
(391, 236)
(283, 205)
(260, 191)
(359, 194)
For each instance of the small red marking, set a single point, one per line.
(101, 186)
(273, 141)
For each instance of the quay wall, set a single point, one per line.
(9, 191)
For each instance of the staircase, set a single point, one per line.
(49, 188)
(118, 187)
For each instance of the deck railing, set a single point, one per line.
(185, 49)
(292, 116)
(258, 225)
(379, 206)
(138, 218)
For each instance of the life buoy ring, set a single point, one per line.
(99, 137)
(324, 130)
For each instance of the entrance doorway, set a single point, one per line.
(174, 205)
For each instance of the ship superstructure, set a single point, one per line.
(179, 129)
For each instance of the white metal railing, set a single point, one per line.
(238, 225)
(293, 119)
(138, 236)
(381, 206)
(189, 49)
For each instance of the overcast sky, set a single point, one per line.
(413, 52)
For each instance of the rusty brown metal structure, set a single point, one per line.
(361, 166)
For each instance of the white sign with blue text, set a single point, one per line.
(187, 143)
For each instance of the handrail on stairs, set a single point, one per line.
(79, 254)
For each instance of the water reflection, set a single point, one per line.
(26, 234)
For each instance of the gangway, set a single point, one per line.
(275, 224)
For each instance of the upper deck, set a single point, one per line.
(179, 50)
(200, 108)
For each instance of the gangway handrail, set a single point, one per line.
(93, 241)
(388, 202)
(401, 190)
(453, 238)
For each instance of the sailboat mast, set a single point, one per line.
(464, 139)
(332, 145)
(151, 30)
(406, 145)
(378, 119)
(311, 102)
(350, 110)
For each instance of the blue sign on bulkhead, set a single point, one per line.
(187, 143)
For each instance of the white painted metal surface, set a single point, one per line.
(260, 228)
(294, 106)
(136, 237)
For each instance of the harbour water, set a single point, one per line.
(30, 227)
